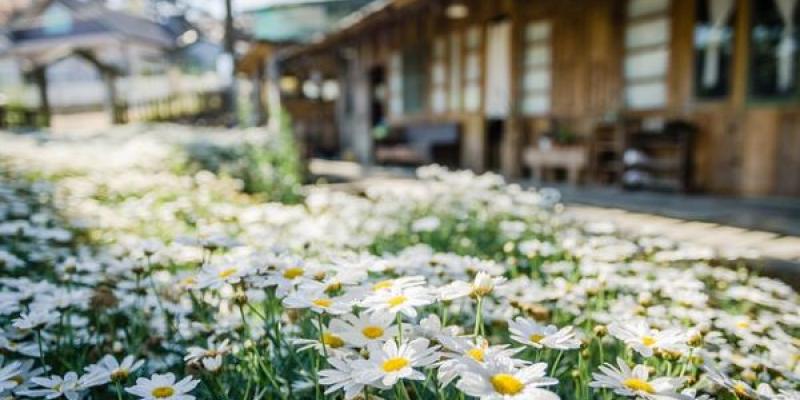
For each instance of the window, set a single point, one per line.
(439, 76)
(537, 78)
(774, 40)
(413, 79)
(472, 73)
(713, 42)
(455, 71)
(647, 37)
(396, 84)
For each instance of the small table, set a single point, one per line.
(572, 158)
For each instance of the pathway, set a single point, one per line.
(764, 229)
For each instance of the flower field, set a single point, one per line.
(169, 265)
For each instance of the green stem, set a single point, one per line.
(322, 335)
(555, 364)
(401, 391)
(478, 317)
(399, 329)
(119, 390)
(688, 360)
(41, 349)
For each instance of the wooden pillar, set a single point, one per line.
(342, 113)
(40, 76)
(511, 151)
(109, 79)
(473, 143)
(362, 136)
(259, 80)
(741, 54)
(761, 130)
(273, 94)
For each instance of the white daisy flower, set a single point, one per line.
(114, 370)
(431, 328)
(482, 285)
(316, 299)
(344, 376)
(626, 382)
(530, 333)
(463, 352)
(398, 283)
(8, 376)
(163, 387)
(213, 349)
(359, 331)
(70, 386)
(501, 379)
(212, 364)
(388, 363)
(216, 275)
(740, 388)
(638, 335)
(36, 319)
(395, 301)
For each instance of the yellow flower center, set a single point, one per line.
(639, 385)
(476, 354)
(394, 364)
(372, 331)
(536, 338)
(190, 280)
(382, 285)
(18, 379)
(323, 303)
(163, 392)
(742, 324)
(506, 384)
(397, 300)
(333, 287)
(332, 340)
(226, 272)
(292, 273)
(119, 375)
(740, 389)
(648, 341)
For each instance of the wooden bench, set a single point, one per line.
(573, 159)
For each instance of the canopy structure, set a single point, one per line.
(53, 30)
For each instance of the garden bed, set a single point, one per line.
(130, 271)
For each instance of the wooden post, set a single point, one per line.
(473, 143)
(40, 75)
(511, 153)
(260, 117)
(111, 95)
(362, 136)
(741, 54)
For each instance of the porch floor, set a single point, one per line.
(778, 215)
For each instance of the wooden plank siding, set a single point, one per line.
(740, 148)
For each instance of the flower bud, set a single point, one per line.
(600, 330)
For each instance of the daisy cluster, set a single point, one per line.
(124, 277)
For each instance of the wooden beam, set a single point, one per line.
(741, 54)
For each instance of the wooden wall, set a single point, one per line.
(741, 148)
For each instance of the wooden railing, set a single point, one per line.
(207, 106)
(18, 117)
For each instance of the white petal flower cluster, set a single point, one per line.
(123, 276)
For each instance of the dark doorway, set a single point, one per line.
(377, 101)
(494, 140)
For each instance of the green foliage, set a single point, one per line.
(267, 164)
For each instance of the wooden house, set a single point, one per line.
(682, 94)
